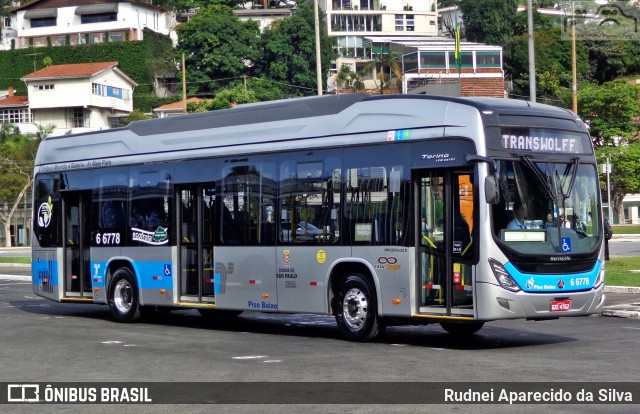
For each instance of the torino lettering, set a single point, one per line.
(532, 143)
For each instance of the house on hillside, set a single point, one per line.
(74, 22)
(174, 108)
(15, 110)
(79, 97)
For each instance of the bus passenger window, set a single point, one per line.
(309, 200)
(248, 201)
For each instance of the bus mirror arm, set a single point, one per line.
(491, 188)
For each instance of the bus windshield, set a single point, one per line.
(547, 207)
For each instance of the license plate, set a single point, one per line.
(560, 305)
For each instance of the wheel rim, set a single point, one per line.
(355, 308)
(123, 296)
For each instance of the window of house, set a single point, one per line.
(488, 59)
(47, 87)
(43, 22)
(116, 37)
(15, 116)
(466, 59)
(99, 18)
(399, 22)
(433, 60)
(95, 37)
(77, 118)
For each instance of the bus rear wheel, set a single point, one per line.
(463, 328)
(124, 302)
(356, 311)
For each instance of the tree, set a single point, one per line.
(225, 99)
(17, 155)
(386, 60)
(348, 79)
(289, 52)
(611, 110)
(135, 115)
(218, 48)
(624, 176)
(489, 21)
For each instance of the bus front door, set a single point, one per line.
(76, 241)
(445, 245)
(196, 257)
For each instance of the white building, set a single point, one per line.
(78, 97)
(362, 28)
(73, 22)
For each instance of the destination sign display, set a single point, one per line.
(544, 140)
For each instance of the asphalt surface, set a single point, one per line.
(620, 301)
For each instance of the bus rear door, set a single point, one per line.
(76, 241)
(199, 279)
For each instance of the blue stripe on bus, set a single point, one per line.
(44, 269)
(151, 275)
(543, 283)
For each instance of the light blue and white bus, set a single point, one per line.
(379, 210)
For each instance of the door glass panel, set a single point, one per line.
(197, 207)
(77, 239)
(462, 246)
(432, 241)
(446, 249)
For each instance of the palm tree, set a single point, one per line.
(385, 60)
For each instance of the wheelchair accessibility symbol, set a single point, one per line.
(167, 270)
(566, 245)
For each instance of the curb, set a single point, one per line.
(628, 311)
(621, 289)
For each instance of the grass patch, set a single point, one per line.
(626, 229)
(16, 259)
(618, 271)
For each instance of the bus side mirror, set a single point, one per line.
(491, 190)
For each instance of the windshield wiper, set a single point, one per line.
(574, 173)
(542, 178)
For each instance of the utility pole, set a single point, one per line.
(609, 191)
(574, 76)
(316, 19)
(532, 53)
(184, 86)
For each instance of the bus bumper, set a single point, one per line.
(499, 303)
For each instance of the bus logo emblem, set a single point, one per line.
(45, 211)
(286, 258)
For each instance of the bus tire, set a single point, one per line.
(357, 311)
(124, 302)
(463, 328)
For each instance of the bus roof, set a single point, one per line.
(286, 122)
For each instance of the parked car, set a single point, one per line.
(304, 232)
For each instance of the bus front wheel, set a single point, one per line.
(124, 302)
(356, 313)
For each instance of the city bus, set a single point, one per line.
(379, 211)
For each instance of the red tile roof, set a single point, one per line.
(177, 105)
(74, 70)
(14, 101)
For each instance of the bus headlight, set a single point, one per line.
(503, 277)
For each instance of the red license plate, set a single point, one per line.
(560, 305)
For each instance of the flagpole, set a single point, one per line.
(456, 54)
